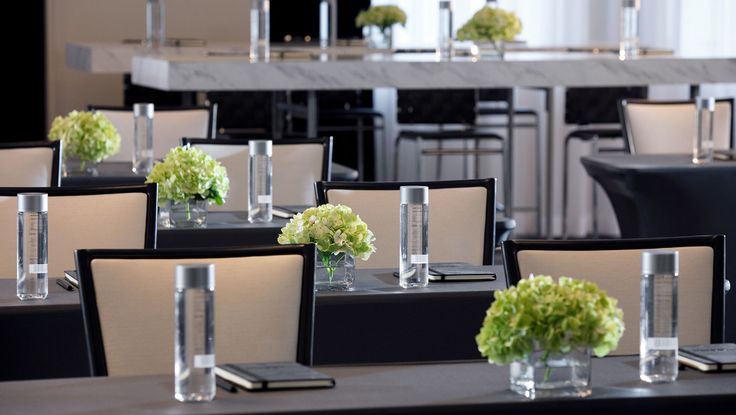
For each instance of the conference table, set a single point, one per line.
(407, 389)
(227, 67)
(377, 322)
(668, 195)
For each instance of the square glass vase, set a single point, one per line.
(189, 214)
(334, 271)
(545, 375)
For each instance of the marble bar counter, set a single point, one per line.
(421, 70)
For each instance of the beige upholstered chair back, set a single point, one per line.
(618, 272)
(456, 223)
(169, 127)
(296, 167)
(669, 128)
(257, 303)
(116, 220)
(27, 167)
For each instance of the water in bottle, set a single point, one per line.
(260, 199)
(414, 240)
(32, 247)
(658, 319)
(194, 369)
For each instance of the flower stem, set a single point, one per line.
(548, 368)
(187, 211)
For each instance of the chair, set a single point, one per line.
(82, 217)
(30, 164)
(661, 127)
(446, 115)
(297, 165)
(264, 305)
(585, 106)
(461, 218)
(615, 265)
(169, 126)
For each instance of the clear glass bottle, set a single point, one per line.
(629, 35)
(194, 368)
(260, 30)
(327, 23)
(155, 24)
(445, 49)
(414, 240)
(658, 319)
(260, 200)
(32, 247)
(703, 141)
(142, 138)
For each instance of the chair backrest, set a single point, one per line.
(297, 165)
(82, 217)
(615, 265)
(169, 126)
(264, 305)
(662, 127)
(462, 218)
(446, 106)
(30, 164)
(597, 105)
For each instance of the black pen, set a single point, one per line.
(64, 284)
(225, 385)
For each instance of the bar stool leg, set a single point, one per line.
(564, 187)
(396, 157)
(361, 166)
(595, 194)
(538, 174)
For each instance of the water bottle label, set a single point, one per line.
(420, 259)
(38, 268)
(204, 360)
(661, 343)
(264, 198)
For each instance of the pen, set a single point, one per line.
(65, 285)
(223, 384)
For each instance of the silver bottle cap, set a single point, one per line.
(195, 276)
(660, 262)
(33, 202)
(446, 5)
(414, 194)
(259, 147)
(143, 110)
(708, 103)
(630, 3)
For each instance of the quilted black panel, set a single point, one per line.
(448, 106)
(597, 105)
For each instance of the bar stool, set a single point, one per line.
(585, 106)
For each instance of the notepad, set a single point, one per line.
(277, 375)
(709, 357)
(460, 271)
(71, 277)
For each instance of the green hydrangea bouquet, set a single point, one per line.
(333, 229)
(381, 16)
(87, 135)
(189, 173)
(553, 317)
(491, 24)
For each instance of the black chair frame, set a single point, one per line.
(150, 190)
(511, 249)
(489, 239)
(90, 313)
(55, 146)
(326, 143)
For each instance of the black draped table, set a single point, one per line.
(667, 195)
(407, 389)
(377, 322)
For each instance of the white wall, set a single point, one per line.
(114, 20)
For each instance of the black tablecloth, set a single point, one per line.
(667, 195)
(377, 322)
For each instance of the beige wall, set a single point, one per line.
(114, 20)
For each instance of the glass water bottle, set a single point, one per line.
(658, 319)
(155, 24)
(703, 142)
(260, 200)
(143, 138)
(445, 49)
(629, 36)
(194, 369)
(32, 247)
(414, 228)
(260, 30)
(327, 23)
